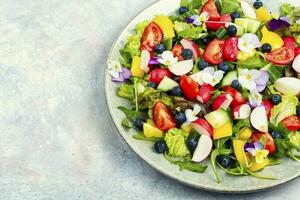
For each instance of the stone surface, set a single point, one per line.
(56, 138)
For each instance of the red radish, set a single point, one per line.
(205, 93)
(215, 25)
(145, 58)
(268, 106)
(230, 50)
(289, 42)
(222, 101)
(189, 87)
(182, 67)
(241, 111)
(203, 148)
(188, 44)
(158, 74)
(297, 51)
(202, 127)
(238, 98)
(259, 119)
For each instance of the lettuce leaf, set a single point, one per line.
(286, 108)
(175, 139)
(192, 4)
(189, 31)
(229, 6)
(126, 91)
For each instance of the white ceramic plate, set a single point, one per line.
(206, 181)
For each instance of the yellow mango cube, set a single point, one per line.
(136, 67)
(166, 26)
(223, 131)
(150, 130)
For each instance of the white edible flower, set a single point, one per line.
(114, 69)
(248, 42)
(212, 77)
(198, 20)
(247, 78)
(167, 58)
(191, 115)
(255, 99)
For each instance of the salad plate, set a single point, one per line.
(232, 140)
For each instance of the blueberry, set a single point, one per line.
(205, 41)
(298, 110)
(183, 9)
(224, 67)
(231, 30)
(180, 118)
(151, 84)
(266, 48)
(160, 48)
(276, 135)
(276, 99)
(192, 142)
(225, 161)
(236, 85)
(257, 4)
(160, 146)
(202, 64)
(139, 124)
(176, 91)
(187, 54)
(235, 15)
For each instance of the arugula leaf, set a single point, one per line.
(142, 137)
(254, 62)
(126, 91)
(131, 116)
(192, 4)
(213, 160)
(240, 125)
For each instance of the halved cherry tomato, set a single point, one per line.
(282, 56)
(297, 51)
(189, 87)
(211, 8)
(163, 117)
(292, 123)
(215, 25)
(238, 98)
(270, 144)
(151, 37)
(290, 42)
(268, 106)
(213, 52)
(230, 50)
(177, 50)
(156, 75)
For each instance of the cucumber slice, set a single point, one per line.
(229, 77)
(166, 84)
(240, 30)
(253, 25)
(243, 22)
(217, 118)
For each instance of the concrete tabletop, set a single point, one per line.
(56, 138)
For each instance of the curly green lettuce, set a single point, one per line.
(175, 139)
(186, 30)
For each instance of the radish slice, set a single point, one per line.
(181, 68)
(296, 64)
(288, 85)
(145, 58)
(197, 77)
(241, 112)
(203, 148)
(248, 10)
(187, 44)
(259, 120)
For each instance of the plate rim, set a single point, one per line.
(148, 161)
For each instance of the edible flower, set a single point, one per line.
(278, 21)
(117, 72)
(212, 77)
(257, 150)
(255, 99)
(191, 115)
(167, 58)
(262, 80)
(248, 42)
(247, 78)
(198, 19)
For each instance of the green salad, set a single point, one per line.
(216, 81)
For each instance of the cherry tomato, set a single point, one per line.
(237, 97)
(213, 52)
(156, 75)
(151, 37)
(270, 145)
(163, 117)
(290, 42)
(297, 51)
(292, 123)
(177, 50)
(215, 25)
(230, 50)
(268, 106)
(211, 8)
(282, 56)
(189, 88)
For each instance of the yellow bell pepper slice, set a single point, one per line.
(263, 14)
(187, 128)
(259, 166)
(136, 67)
(272, 38)
(245, 134)
(244, 56)
(223, 131)
(238, 148)
(150, 130)
(166, 26)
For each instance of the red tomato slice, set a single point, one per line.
(156, 75)
(290, 42)
(177, 50)
(238, 98)
(211, 8)
(215, 25)
(297, 51)
(213, 52)
(189, 88)
(151, 37)
(282, 56)
(231, 51)
(292, 123)
(162, 116)
(270, 144)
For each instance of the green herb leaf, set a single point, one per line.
(142, 137)
(213, 160)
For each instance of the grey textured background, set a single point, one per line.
(56, 138)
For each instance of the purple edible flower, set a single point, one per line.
(123, 76)
(275, 24)
(154, 61)
(261, 81)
